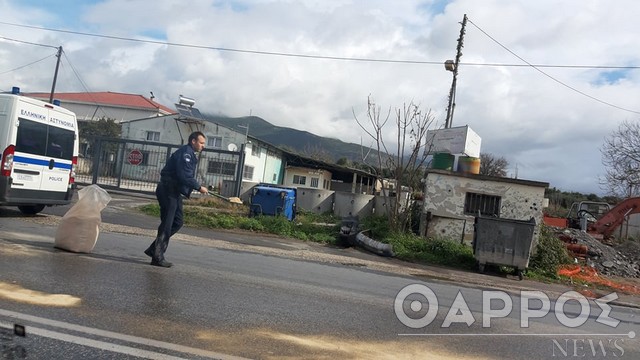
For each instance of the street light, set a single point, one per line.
(246, 134)
(450, 65)
(243, 154)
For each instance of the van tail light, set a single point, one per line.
(7, 161)
(74, 165)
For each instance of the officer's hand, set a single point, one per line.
(203, 190)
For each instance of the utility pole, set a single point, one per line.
(55, 75)
(453, 67)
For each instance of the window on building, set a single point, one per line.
(299, 180)
(153, 136)
(314, 182)
(324, 184)
(255, 150)
(214, 142)
(248, 172)
(488, 205)
(221, 168)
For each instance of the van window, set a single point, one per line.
(40, 139)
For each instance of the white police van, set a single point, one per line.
(39, 144)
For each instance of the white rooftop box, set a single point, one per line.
(460, 140)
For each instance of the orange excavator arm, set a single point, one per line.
(614, 218)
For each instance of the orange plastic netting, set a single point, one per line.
(590, 275)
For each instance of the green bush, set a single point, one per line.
(251, 224)
(377, 226)
(310, 217)
(441, 251)
(550, 253)
(278, 225)
(227, 221)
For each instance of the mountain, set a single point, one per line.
(302, 142)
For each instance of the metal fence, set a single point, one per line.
(135, 165)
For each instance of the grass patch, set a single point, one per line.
(324, 228)
(150, 209)
(440, 251)
(321, 228)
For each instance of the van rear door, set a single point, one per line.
(44, 149)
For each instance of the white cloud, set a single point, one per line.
(552, 133)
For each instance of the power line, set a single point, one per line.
(27, 42)
(551, 77)
(84, 85)
(272, 53)
(555, 66)
(24, 66)
(307, 56)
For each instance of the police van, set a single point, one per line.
(39, 144)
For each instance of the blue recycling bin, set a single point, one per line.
(273, 200)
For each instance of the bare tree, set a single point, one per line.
(317, 152)
(492, 165)
(621, 157)
(404, 164)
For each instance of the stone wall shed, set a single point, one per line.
(453, 199)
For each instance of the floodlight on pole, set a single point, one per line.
(450, 65)
(246, 134)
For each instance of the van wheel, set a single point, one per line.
(30, 209)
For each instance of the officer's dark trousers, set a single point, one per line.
(171, 218)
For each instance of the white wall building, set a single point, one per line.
(453, 199)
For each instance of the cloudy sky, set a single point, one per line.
(549, 122)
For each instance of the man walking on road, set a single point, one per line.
(177, 179)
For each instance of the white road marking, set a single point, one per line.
(110, 335)
(100, 344)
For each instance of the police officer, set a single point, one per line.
(177, 179)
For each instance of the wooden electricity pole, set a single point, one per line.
(55, 75)
(454, 68)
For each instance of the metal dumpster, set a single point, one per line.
(267, 199)
(500, 241)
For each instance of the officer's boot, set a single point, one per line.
(158, 252)
(150, 249)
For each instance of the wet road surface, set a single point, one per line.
(220, 303)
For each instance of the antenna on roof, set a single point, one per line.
(152, 97)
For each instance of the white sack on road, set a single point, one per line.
(78, 231)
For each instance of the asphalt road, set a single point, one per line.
(225, 303)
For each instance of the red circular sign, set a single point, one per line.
(135, 157)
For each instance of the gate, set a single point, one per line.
(134, 165)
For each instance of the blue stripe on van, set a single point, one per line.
(27, 160)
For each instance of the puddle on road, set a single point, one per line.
(275, 345)
(17, 250)
(19, 294)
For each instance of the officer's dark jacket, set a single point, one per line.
(179, 173)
